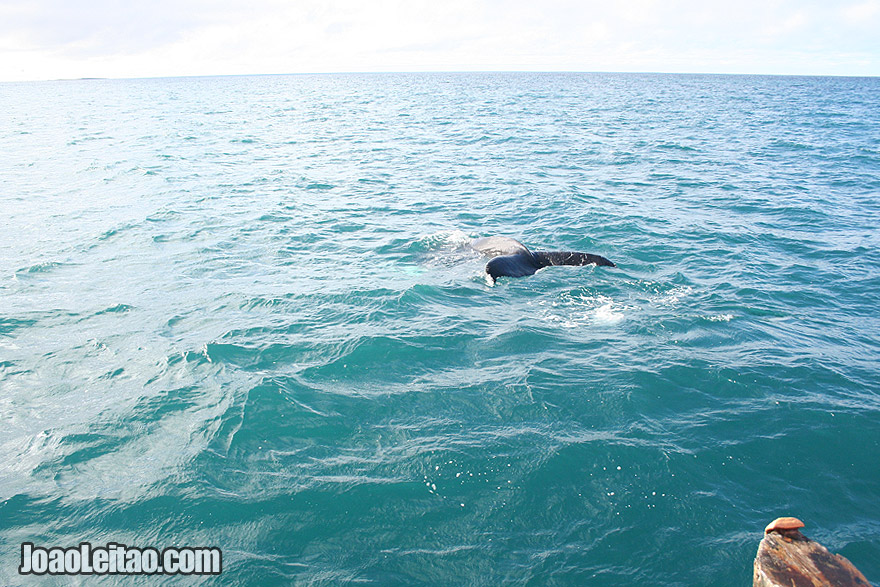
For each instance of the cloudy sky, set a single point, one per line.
(49, 39)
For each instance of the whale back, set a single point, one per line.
(494, 246)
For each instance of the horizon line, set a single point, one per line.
(441, 72)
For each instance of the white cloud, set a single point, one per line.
(864, 13)
(788, 25)
(116, 38)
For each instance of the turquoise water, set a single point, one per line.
(241, 312)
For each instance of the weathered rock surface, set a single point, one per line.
(787, 558)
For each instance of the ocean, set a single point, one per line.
(242, 313)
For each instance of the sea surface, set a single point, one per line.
(241, 312)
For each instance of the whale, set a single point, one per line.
(511, 258)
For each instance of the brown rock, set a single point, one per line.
(787, 558)
(783, 525)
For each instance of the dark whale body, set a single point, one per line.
(511, 258)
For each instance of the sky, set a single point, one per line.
(61, 39)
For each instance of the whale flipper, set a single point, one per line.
(511, 258)
(547, 258)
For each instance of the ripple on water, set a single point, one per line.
(255, 322)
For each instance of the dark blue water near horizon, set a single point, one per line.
(241, 312)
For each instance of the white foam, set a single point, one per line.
(607, 314)
(675, 295)
(447, 239)
(719, 318)
(573, 312)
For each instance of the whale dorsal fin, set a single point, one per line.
(518, 265)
